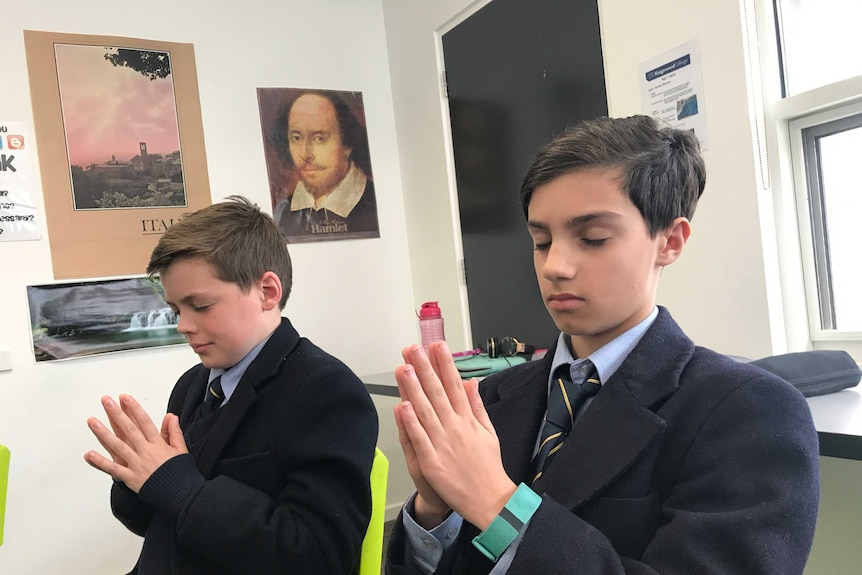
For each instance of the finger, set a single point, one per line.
(142, 420)
(431, 385)
(98, 461)
(444, 366)
(175, 434)
(107, 403)
(418, 438)
(166, 436)
(477, 405)
(403, 438)
(402, 391)
(124, 428)
(115, 447)
(414, 394)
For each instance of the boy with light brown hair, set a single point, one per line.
(262, 462)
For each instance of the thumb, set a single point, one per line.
(175, 434)
(476, 404)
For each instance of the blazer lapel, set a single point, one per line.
(607, 439)
(194, 397)
(264, 367)
(228, 420)
(517, 417)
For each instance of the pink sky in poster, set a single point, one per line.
(108, 110)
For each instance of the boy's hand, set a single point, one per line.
(449, 437)
(429, 509)
(136, 447)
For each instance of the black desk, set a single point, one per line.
(381, 384)
(838, 419)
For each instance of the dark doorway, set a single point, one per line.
(518, 72)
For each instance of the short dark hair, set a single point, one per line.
(237, 239)
(662, 170)
(353, 134)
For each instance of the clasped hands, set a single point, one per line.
(449, 444)
(136, 447)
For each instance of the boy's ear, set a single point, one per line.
(673, 240)
(270, 288)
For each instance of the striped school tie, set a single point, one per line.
(566, 397)
(214, 397)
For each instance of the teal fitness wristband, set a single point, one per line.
(504, 529)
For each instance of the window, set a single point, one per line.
(826, 149)
(811, 82)
(820, 42)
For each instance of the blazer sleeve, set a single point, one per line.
(322, 463)
(743, 500)
(129, 509)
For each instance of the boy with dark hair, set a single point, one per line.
(627, 449)
(262, 462)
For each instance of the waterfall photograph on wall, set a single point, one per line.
(70, 320)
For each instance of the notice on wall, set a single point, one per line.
(672, 89)
(18, 218)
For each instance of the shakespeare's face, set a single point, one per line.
(316, 146)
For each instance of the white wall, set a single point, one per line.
(354, 298)
(718, 290)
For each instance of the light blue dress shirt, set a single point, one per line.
(429, 551)
(230, 377)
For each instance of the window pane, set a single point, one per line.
(821, 42)
(842, 207)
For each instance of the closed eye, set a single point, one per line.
(593, 243)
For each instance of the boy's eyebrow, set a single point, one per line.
(187, 299)
(579, 221)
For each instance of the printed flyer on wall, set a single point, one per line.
(672, 89)
(18, 218)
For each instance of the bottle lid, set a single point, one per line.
(429, 310)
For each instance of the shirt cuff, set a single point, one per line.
(425, 549)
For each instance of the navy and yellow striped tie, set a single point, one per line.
(566, 397)
(214, 397)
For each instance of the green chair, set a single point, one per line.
(372, 546)
(4, 477)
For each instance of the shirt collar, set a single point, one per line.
(230, 377)
(341, 200)
(607, 358)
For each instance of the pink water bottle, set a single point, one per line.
(430, 324)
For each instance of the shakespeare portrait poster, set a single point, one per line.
(319, 164)
(121, 148)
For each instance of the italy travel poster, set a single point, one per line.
(121, 149)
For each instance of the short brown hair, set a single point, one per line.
(662, 169)
(237, 239)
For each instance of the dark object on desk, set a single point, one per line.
(508, 346)
(814, 372)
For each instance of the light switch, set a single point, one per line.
(5, 359)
